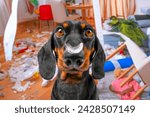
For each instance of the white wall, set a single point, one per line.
(23, 13)
(140, 4)
(4, 16)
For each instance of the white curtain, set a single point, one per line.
(4, 15)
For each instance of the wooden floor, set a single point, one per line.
(36, 91)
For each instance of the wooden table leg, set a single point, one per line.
(83, 14)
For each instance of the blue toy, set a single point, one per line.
(122, 63)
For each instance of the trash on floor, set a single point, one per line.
(109, 49)
(3, 74)
(1, 87)
(19, 88)
(23, 45)
(29, 30)
(44, 33)
(40, 35)
(2, 95)
(25, 66)
(22, 69)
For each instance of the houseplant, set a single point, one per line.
(128, 28)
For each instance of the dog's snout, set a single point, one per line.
(73, 39)
(74, 63)
(73, 43)
(79, 61)
(68, 62)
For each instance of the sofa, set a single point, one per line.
(143, 22)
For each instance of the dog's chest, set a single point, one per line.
(72, 91)
(80, 91)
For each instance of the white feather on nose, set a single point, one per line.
(74, 50)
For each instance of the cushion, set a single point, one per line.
(139, 17)
(146, 10)
(142, 17)
(148, 31)
(143, 23)
(142, 20)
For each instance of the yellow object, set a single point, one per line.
(118, 72)
(36, 74)
(36, 11)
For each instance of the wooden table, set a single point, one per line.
(83, 7)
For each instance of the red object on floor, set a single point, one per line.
(23, 50)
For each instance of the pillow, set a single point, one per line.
(142, 20)
(148, 31)
(143, 23)
(141, 17)
(145, 11)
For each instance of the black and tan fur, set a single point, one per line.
(73, 79)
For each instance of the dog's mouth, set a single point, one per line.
(72, 70)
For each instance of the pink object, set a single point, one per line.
(127, 91)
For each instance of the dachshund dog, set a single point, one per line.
(74, 48)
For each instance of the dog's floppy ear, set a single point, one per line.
(46, 60)
(98, 61)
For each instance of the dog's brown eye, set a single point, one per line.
(89, 33)
(59, 33)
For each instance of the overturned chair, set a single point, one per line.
(140, 59)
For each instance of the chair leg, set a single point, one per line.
(129, 78)
(48, 23)
(116, 51)
(52, 25)
(139, 92)
(55, 24)
(40, 26)
(127, 71)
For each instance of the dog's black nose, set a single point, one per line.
(73, 62)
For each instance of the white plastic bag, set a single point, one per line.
(10, 31)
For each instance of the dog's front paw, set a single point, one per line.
(44, 83)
